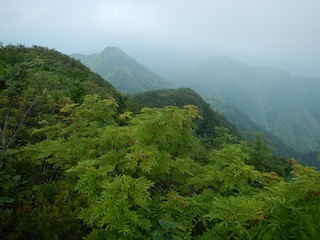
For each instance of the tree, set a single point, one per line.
(146, 176)
(263, 159)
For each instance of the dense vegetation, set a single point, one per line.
(181, 97)
(81, 166)
(122, 71)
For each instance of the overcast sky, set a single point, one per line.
(285, 29)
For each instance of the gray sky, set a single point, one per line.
(285, 29)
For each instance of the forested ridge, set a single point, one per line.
(122, 71)
(181, 97)
(78, 160)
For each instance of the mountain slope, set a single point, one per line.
(283, 104)
(126, 74)
(181, 97)
(35, 83)
(214, 116)
(245, 125)
(93, 172)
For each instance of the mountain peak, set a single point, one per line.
(124, 72)
(112, 49)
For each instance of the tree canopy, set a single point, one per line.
(91, 170)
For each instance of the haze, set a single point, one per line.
(274, 29)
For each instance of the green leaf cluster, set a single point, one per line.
(148, 177)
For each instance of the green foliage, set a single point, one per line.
(9, 193)
(147, 178)
(117, 206)
(292, 208)
(35, 83)
(166, 231)
(119, 184)
(180, 97)
(86, 171)
(235, 216)
(264, 160)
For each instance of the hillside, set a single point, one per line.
(283, 104)
(181, 97)
(245, 125)
(35, 84)
(218, 114)
(74, 164)
(126, 74)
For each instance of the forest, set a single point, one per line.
(80, 160)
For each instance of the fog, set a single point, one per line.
(283, 31)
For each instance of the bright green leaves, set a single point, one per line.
(227, 173)
(151, 168)
(90, 116)
(121, 207)
(96, 109)
(78, 136)
(178, 209)
(293, 207)
(121, 168)
(144, 160)
(234, 176)
(236, 216)
(171, 129)
(286, 210)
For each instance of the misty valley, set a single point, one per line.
(99, 146)
(283, 107)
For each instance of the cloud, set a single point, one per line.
(288, 28)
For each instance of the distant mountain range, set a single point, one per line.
(169, 61)
(283, 104)
(122, 71)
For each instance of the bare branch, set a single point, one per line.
(5, 124)
(21, 122)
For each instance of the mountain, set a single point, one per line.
(245, 126)
(181, 97)
(171, 61)
(71, 153)
(125, 73)
(283, 104)
(35, 83)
